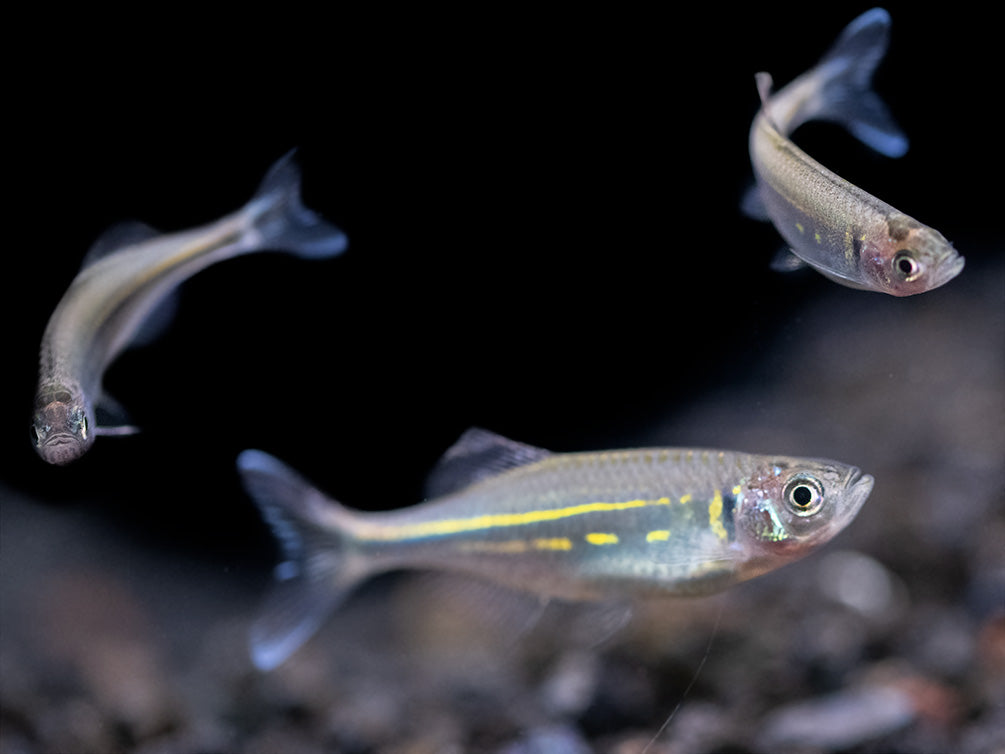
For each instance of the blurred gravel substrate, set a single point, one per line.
(890, 640)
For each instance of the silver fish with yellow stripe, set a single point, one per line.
(577, 526)
(835, 227)
(126, 278)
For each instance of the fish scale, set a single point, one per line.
(830, 224)
(610, 525)
(621, 516)
(125, 282)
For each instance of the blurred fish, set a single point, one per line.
(837, 228)
(579, 526)
(126, 277)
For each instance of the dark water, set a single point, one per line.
(543, 241)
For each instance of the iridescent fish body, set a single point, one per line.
(576, 526)
(830, 224)
(126, 277)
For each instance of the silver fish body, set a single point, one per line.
(126, 278)
(835, 227)
(577, 526)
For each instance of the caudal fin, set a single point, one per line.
(283, 220)
(847, 95)
(839, 88)
(314, 575)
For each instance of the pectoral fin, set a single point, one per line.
(112, 419)
(786, 261)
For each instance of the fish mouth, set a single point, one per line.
(948, 270)
(857, 489)
(60, 449)
(61, 438)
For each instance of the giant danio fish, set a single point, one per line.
(129, 275)
(835, 227)
(610, 525)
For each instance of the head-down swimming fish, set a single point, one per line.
(579, 526)
(127, 275)
(837, 228)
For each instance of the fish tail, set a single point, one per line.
(285, 223)
(317, 570)
(845, 79)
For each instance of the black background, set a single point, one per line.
(543, 217)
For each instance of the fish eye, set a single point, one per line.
(804, 494)
(80, 423)
(906, 265)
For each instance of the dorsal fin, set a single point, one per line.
(764, 82)
(479, 454)
(118, 237)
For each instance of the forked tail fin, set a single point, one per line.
(839, 88)
(316, 572)
(846, 94)
(283, 220)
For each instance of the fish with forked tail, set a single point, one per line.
(835, 227)
(126, 277)
(578, 526)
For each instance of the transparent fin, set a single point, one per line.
(763, 82)
(112, 419)
(478, 454)
(752, 205)
(846, 95)
(118, 237)
(599, 622)
(696, 566)
(786, 261)
(314, 576)
(499, 614)
(157, 322)
(285, 223)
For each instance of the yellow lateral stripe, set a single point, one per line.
(658, 535)
(391, 533)
(598, 538)
(685, 499)
(715, 516)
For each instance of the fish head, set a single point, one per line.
(788, 507)
(910, 258)
(62, 425)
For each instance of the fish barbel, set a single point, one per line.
(840, 230)
(577, 526)
(126, 277)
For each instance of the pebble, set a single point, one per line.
(839, 721)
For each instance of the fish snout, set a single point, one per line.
(61, 448)
(858, 486)
(946, 271)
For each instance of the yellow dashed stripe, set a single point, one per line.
(555, 543)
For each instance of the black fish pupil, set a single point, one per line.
(802, 496)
